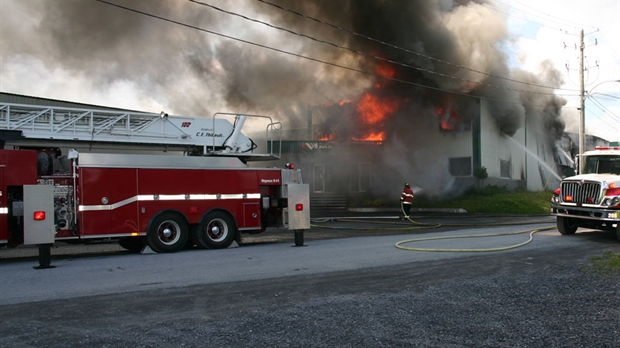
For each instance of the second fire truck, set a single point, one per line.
(163, 201)
(592, 198)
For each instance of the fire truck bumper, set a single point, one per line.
(612, 215)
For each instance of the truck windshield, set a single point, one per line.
(602, 165)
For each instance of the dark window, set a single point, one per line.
(460, 166)
(505, 168)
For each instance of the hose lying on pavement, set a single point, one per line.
(399, 245)
(419, 225)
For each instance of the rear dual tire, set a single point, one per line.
(216, 231)
(168, 233)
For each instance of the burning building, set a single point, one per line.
(439, 101)
(376, 92)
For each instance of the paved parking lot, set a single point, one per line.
(348, 288)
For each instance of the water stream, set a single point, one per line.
(535, 157)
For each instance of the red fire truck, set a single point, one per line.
(205, 195)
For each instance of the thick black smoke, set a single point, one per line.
(451, 46)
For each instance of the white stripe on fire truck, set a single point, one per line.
(182, 197)
(4, 210)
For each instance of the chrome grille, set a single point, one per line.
(586, 192)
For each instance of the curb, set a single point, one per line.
(396, 210)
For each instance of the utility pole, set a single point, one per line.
(582, 104)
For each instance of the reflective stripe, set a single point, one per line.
(182, 197)
(4, 210)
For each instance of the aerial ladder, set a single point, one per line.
(24, 125)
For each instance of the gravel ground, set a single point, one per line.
(546, 299)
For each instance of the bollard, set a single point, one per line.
(44, 256)
(299, 238)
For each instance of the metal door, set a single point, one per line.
(318, 178)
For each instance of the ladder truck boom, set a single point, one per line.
(27, 124)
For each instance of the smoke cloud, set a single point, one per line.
(196, 73)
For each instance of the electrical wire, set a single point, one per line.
(603, 108)
(571, 25)
(311, 58)
(401, 48)
(374, 56)
(614, 118)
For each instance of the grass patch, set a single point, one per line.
(490, 200)
(494, 200)
(606, 265)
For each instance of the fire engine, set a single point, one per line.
(592, 198)
(202, 192)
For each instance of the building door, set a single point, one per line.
(362, 184)
(318, 178)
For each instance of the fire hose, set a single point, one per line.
(400, 245)
(531, 232)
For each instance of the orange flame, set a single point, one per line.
(373, 112)
(384, 69)
(447, 118)
(374, 108)
(327, 137)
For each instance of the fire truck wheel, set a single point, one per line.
(216, 231)
(167, 233)
(618, 232)
(133, 244)
(567, 225)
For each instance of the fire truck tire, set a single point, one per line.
(133, 244)
(566, 225)
(216, 231)
(618, 232)
(168, 232)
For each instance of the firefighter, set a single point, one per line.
(406, 199)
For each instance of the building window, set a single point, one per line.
(460, 166)
(505, 168)
(361, 177)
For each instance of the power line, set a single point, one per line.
(402, 48)
(602, 120)
(546, 18)
(603, 108)
(310, 58)
(605, 95)
(367, 54)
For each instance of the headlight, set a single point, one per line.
(610, 201)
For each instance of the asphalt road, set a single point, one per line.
(349, 286)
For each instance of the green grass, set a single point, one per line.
(607, 264)
(494, 200)
(490, 200)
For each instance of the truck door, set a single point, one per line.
(109, 201)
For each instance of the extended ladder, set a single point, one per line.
(92, 125)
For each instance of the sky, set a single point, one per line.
(542, 28)
(123, 60)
